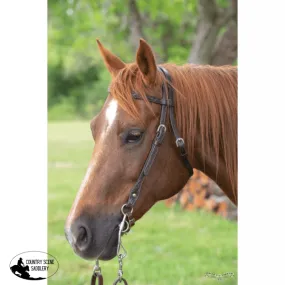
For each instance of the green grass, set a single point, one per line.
(167, 246)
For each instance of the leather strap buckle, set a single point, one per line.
(160, 133)
(161, 127)
(180, 142)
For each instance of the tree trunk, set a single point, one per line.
(227, 45)
(206, 33)
(226, 48)
(208, 47)
(135, 24)
(201, 52)
(136, 21)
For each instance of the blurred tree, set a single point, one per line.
(62, 85)
(205, 29)
(216, 33)
(135, 24)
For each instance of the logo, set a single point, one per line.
(34, 265)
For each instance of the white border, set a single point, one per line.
(23, 119)
(261, 142)
(23, 149)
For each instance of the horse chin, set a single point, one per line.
(106, 252)
(109, 253)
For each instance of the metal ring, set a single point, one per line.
(161, 126)
(122, 209)
(179, 140)
(128, 227)
(97, 268)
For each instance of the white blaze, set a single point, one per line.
(111, 112)
(84, 184)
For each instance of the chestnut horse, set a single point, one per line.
(206, 114)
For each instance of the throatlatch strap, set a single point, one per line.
(178, 140)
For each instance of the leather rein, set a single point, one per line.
(167, 103)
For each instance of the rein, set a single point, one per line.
(167, 103)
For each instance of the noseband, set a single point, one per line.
(167, 103)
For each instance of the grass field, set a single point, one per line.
(167, 246)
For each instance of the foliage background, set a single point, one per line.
(179, 31)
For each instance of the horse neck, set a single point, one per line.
(216, 170)
(213, 127)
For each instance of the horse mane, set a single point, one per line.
(205, 105)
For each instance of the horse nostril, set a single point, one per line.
(81, 239)
(79, 236)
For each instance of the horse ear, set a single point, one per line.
(146, 62)
(112, 62)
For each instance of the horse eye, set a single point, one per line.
(134, 136)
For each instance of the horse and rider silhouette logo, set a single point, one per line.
(22, 271)
(34, 265)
